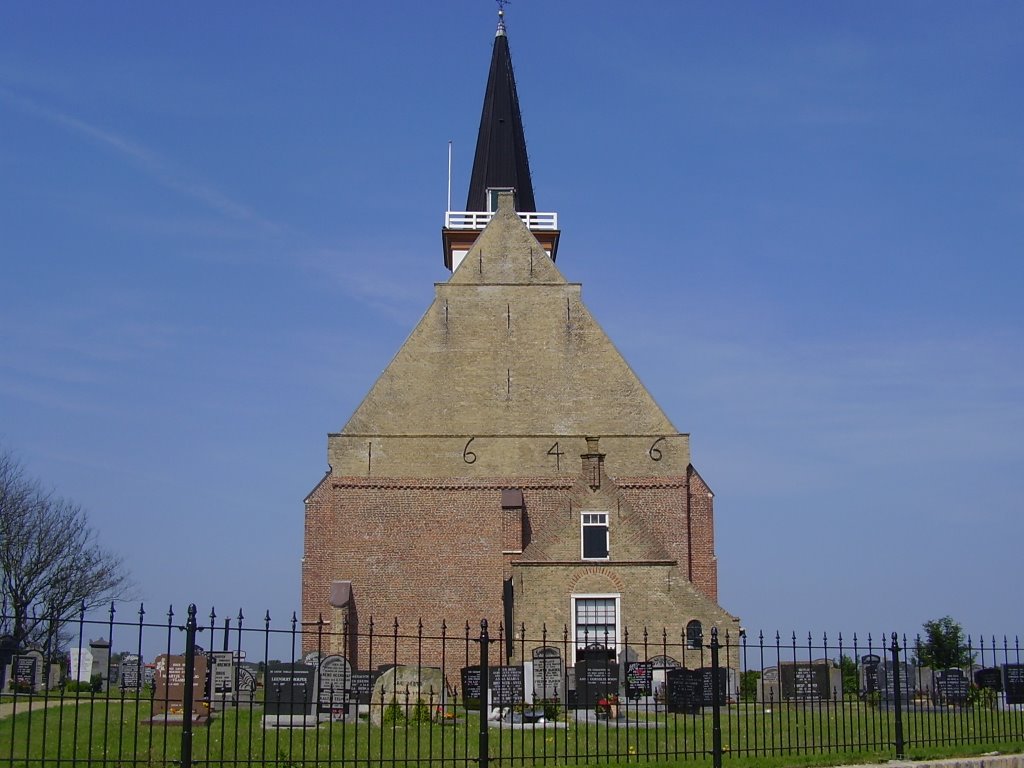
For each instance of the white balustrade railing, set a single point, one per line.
(480, 219)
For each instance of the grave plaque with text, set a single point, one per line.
(1013, 679)
(951, 686)
(805, 681)
(506, 686)
(334, 685)
(361, 685)
(222, 678)
(869, 665)
(597, 676)
(27, 672)
(547, 673)
(684, 690)
(289, 689)
(990, 678)
(471, 687)
(639, 677)
(169, 686)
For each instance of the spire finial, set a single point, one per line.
(501, 17)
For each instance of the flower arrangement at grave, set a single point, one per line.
(607, 707)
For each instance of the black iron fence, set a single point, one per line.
(190, 691)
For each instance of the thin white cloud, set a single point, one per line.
(158, 168)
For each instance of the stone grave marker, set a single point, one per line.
(169, 690)
(597, 676)
(870, 665)
(245, 684)
(1013, 679)
(904, 678)
(7, 649)
(289, 691)
(101, 661)
(406, 690)
(684, 690)
(769, 685)
(361, 685)
(951, 686)
(548, 672)
(334, 683)
(471, 687)
(131, 672)
(222, 676)
(507, 686)
(26, 672)
(805, 681)
(990, 678)
(639, 679)
(81, 663)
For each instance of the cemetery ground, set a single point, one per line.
(117, 730)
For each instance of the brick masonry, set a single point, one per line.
(507, 382)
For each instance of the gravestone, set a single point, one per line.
(131, 672)
(361, 685)
(597, 676)
(334, 683)
(507, 686)
(684, 690)
(101, 661)
(639, 679)
(769, 686)
(904, 678)
(1013, 679)
(7, 649)
(547, 673)
(245, 684)
(870, 664)
(990, 678)
(26, 674)
(406, 691)
(288, 690)
(471, 687)
(951, 686)
(81, 663)
(222, 675)
(805, 681)
(169, 690)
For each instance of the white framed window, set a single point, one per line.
(595, 622)
(594, 543)
(492, 197)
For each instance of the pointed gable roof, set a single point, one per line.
(501, 159)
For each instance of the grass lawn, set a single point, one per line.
(112, 731)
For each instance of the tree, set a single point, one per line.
(943, 646)
(51, 562)
(848, 671)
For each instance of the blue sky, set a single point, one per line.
(801, 222)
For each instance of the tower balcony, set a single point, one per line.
(461, 229)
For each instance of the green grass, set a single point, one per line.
(109, 732)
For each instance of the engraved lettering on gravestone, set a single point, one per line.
(27, 672)
(639, 676)
(1013, 679)
(80, 664)
(334, 684)
(904, 677)
(684, 690)
(471, 686)
(223, 676)
(506, 686)
(869, 668)
(361, 685)
(169, 685)
(803, 681)
(951, 686)
(990, 678)
(289, 689)
(547, 672)
(664, 662)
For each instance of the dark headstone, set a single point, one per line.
(27, 672)
(991, 678)
(684, 690)
(870, 664)
(361, 685)
(506, 686)
(664, 662)
(471, 687)
(904, 678)
(597, 676)
(1013, 679)
(288, 689)
(7, 649)
(803, 681)
(639, 678)
(548, 672)
(951, 686)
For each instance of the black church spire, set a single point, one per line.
(501, 161)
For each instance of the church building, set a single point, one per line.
(508, 464)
